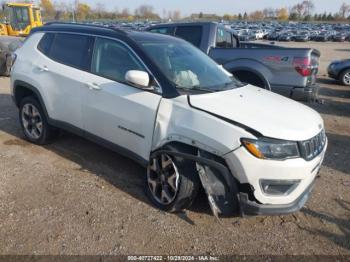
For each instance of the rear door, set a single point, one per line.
(62, 68)
(114, 110)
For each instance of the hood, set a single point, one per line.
(270, 114)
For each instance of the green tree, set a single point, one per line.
(330, 17)
(245, 16)
(82, 11)
(48, 9)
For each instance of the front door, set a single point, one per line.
(114, 110)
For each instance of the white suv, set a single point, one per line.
(164, 103)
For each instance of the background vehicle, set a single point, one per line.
(340, 70)
(286, 37)
(340, 37)
(287, 71)
(302, 37)
(323, 37)
(21, 19)
(174, 94)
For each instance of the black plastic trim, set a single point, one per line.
(98, 140)
(225, 173)
(252, 208)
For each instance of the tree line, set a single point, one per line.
(80, 11)
(303, 11)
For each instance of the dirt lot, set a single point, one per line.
(74, 197)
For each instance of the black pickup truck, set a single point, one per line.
(288, 71)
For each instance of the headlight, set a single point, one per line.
(267, 148)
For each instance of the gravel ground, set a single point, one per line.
(74, 197)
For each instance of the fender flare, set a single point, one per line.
(253, 71)
(22, 84)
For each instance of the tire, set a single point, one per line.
(178, 178)
(34, 123)
(345, 77)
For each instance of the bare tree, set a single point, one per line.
(176, 15)
(146, 11)
(344, 10)
(298, 9)
(309, 7)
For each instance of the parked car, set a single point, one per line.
(287, 71)
(164, 103)
(340, 70)
(323, 37)
(246, 36)
(302, 37)
(341, 37)
(286, 37)
(273, 36)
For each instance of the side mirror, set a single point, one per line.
(139, 78)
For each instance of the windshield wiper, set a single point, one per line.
(196, 88)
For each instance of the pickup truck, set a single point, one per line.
(288, 71)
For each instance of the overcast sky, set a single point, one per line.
(216, 6)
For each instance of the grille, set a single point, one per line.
(313, 147)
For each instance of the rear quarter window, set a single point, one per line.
(223, 39)
(192, 34)
(72, 50)
(45, 43)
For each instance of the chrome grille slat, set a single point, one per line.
(313, 147)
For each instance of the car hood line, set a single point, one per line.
(267, 114)
(247, 128)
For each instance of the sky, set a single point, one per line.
(219, 7)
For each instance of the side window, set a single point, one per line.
(45, 43)
(72, 50)
(163, 30)
(113, 60)
(192, 34)
(223, 39)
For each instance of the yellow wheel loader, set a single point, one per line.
(20, 18)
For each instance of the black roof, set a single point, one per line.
(137, 36)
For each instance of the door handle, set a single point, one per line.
(43, 69)
(93, 86)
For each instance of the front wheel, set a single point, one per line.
(172, 183)
(345, 77)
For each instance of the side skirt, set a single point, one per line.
(100, 141)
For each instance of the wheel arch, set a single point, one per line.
(254, 72)
(209, 181)
(342, 71)
(22, 89)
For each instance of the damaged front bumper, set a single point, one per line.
(240, 203)
(252, 208)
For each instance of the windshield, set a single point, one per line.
(19, 17)
(189, 68)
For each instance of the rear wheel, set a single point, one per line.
(34, 123)
(345, 77)
(172, 182)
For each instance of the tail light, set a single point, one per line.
(303, 65)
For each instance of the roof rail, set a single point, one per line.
(117, 30)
